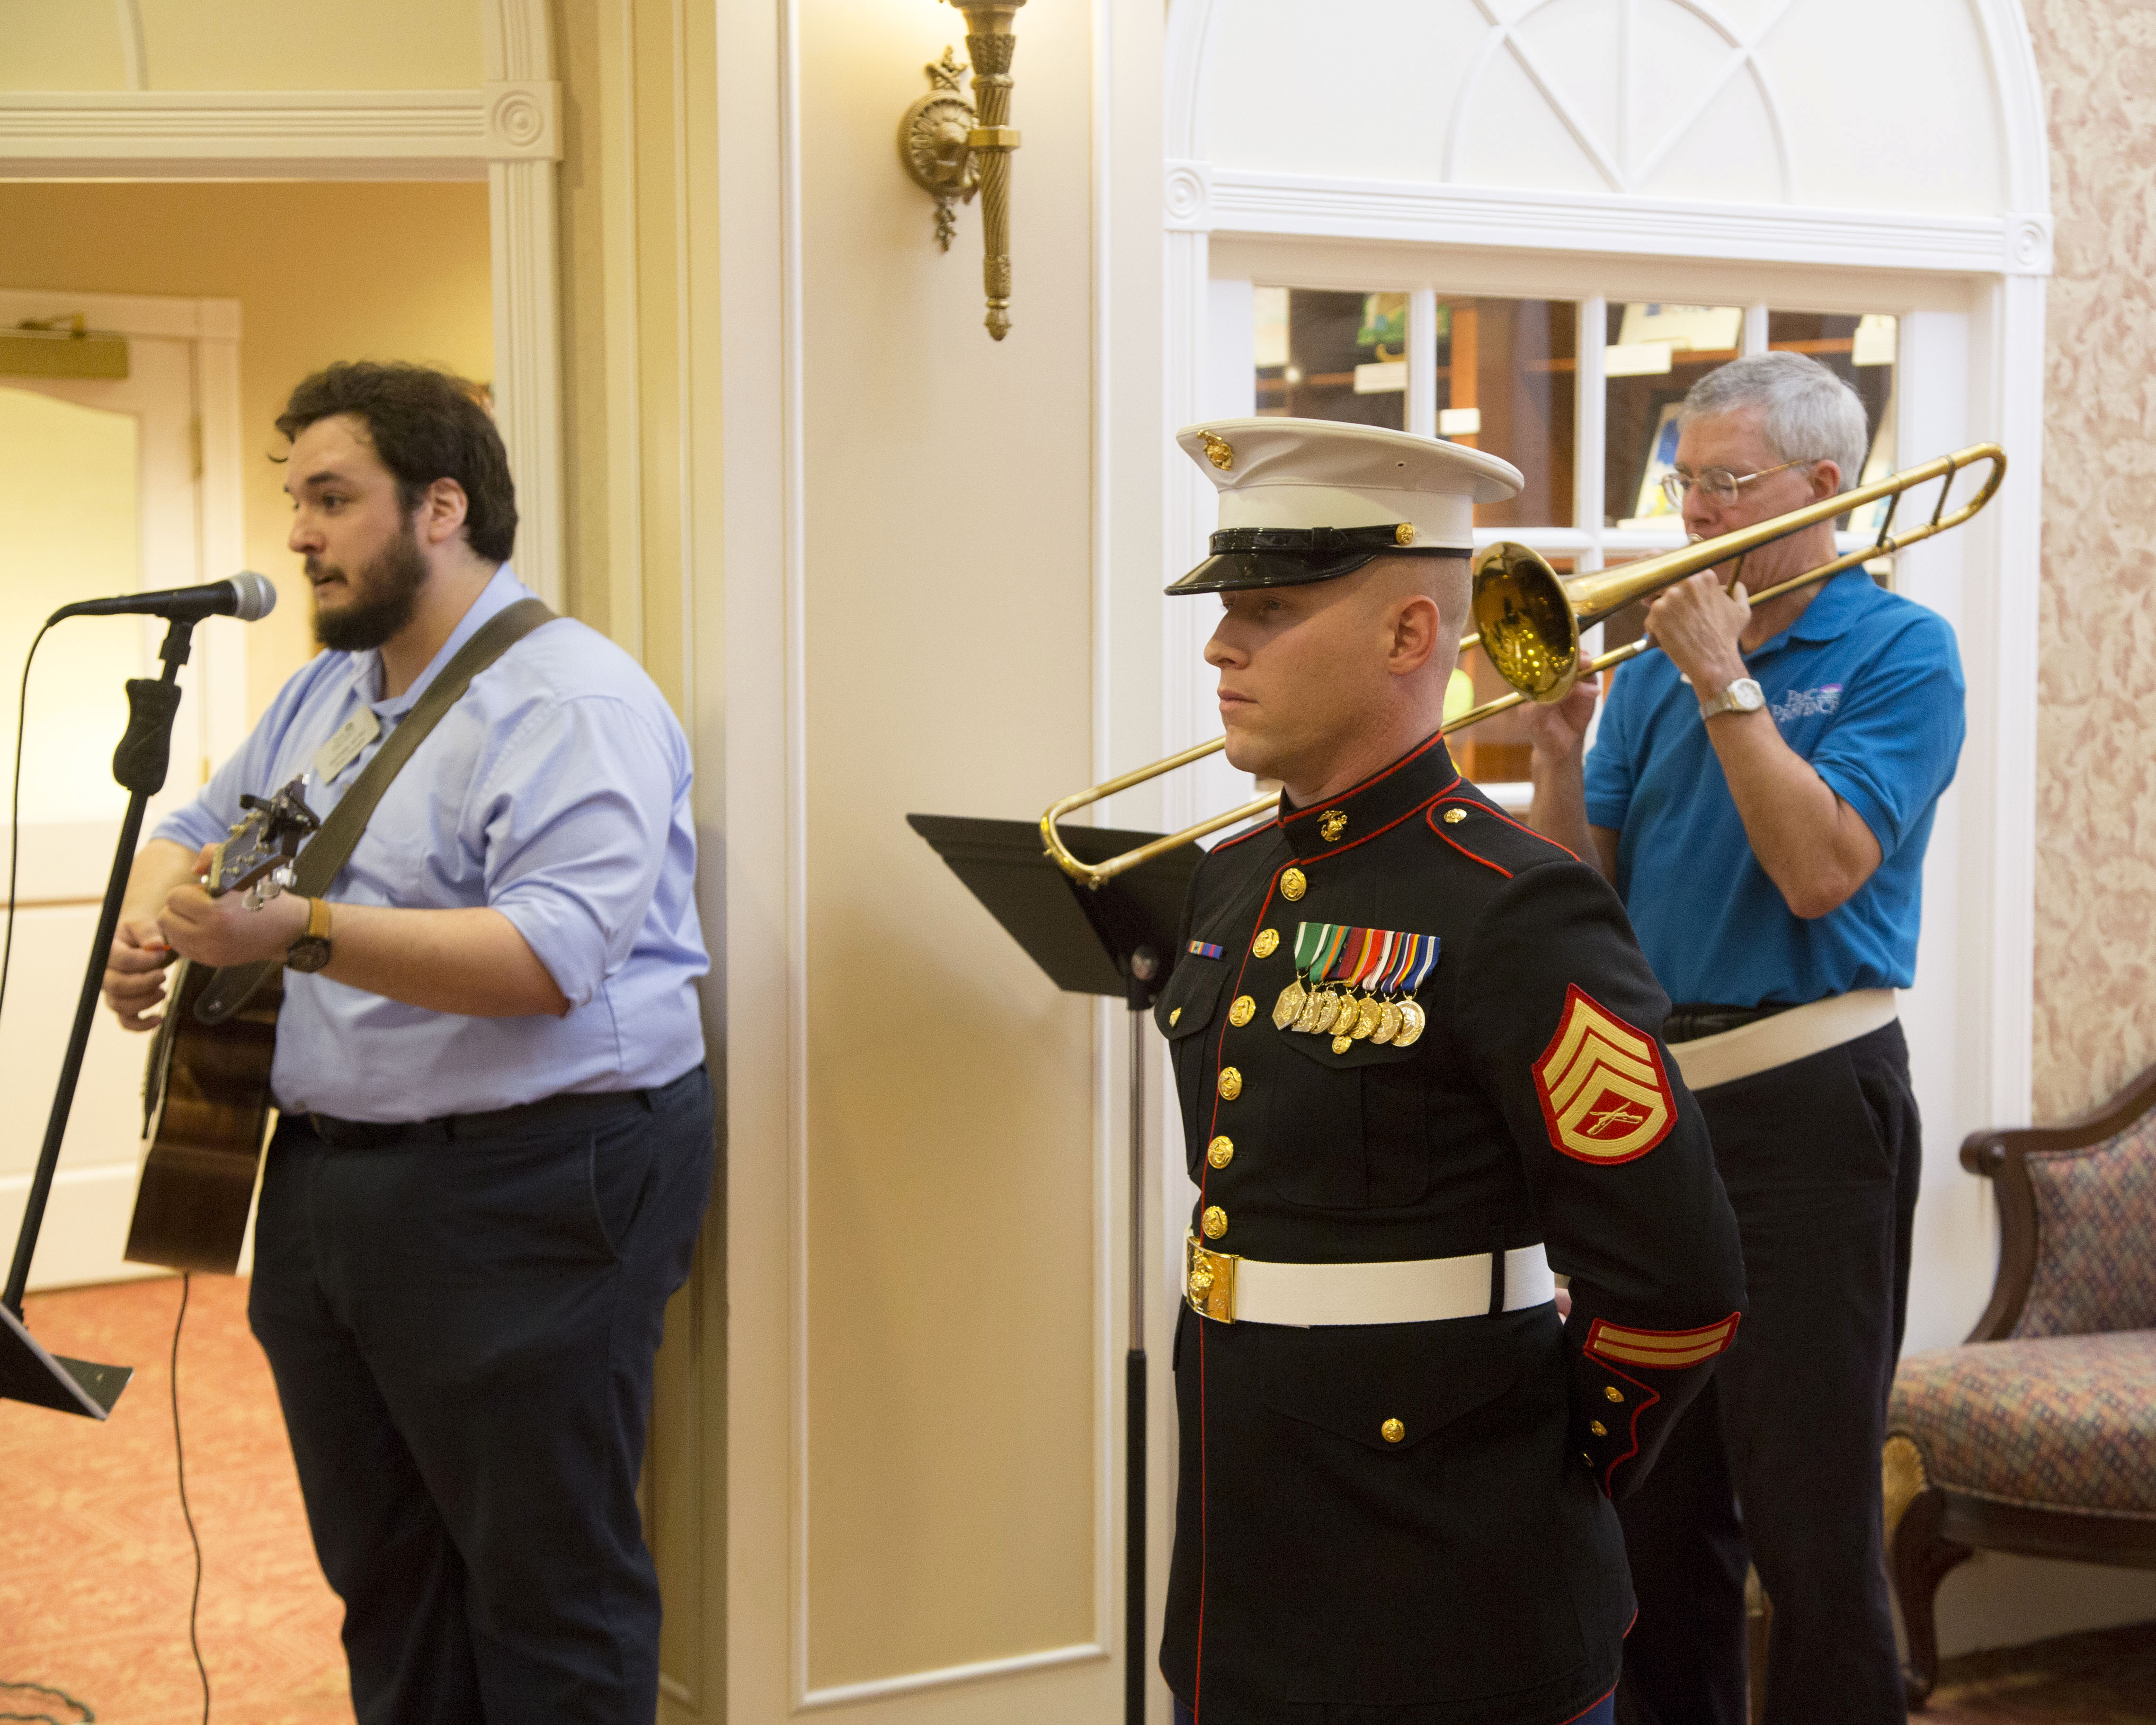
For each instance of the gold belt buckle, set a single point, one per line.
(1209, 1281)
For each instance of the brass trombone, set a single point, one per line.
(1529, 620)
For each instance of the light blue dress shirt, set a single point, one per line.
(556, 792)
(1866, 686)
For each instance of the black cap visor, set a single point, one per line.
(1247, 557)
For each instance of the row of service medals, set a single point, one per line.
(1356, 984)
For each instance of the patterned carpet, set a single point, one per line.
(2106, 1677)
(97, 1569)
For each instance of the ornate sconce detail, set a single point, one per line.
(932, 144)
(951, 147)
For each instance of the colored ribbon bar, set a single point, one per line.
(1206, 949)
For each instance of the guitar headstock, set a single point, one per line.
(257, 854)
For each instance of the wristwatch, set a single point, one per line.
(1744, 695)
(311, 951)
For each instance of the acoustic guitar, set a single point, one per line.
(205, 1097)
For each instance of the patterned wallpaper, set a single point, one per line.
(2096, 729)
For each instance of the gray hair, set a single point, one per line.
(1807, 412)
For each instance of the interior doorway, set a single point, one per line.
(105, 487)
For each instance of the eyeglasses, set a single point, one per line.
(1720, 485)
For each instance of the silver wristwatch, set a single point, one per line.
(1744, 695)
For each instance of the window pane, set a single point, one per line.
(1860, 351)
(1329, 356)
(1655, 354)
(1507, 370)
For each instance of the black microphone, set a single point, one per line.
(247, 596)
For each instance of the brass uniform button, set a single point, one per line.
(1231, 1083)
(1392, 1431)
(1221, 1151)
(1598, 1428)
(1243, 1011)
(1293, 886)
(1266, 943)
(1613, 1392)
(1331, 825)
(1453, 817)
(1215, 1222)
(1403, 534)
(1174, 1013)
(1341, 1045)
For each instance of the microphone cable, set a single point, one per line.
(179, 1452)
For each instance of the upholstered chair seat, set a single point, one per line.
(2038, 1434)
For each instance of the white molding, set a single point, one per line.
(284, 134)
(1200, 196)
(945, 1676)
(524, 216)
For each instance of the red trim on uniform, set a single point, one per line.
(1574, 998)
(1530, 831)
(1722, 1333)
(1632, 1430)
(1197, 1654)
(1263, 826)
(1375, 778)
(1429, 820)
(1612, 1690)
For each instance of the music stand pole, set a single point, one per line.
(1144, 966)
(27, 1371)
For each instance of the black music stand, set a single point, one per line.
(28, 1374)
(1117, 939)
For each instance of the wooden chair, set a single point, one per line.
(2038, 1434)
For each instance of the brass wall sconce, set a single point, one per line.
(952, 148)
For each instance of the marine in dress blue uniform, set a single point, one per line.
(1417, 1051)
(1786, 1029)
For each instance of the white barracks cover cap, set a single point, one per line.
(1308, 500)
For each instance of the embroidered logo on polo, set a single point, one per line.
(1670, 1350)
(1605, 1096)
(1356, 984)
(1205, 949)
(1808, 703)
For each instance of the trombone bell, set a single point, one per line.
(1530, 632)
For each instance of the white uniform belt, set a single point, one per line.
(1415, 1290)
(1796, 1034)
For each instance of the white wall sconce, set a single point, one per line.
(952, 148)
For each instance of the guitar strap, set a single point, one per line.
(232, 986)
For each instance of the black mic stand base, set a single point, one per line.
(28, 1374)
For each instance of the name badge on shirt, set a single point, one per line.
(341, 749)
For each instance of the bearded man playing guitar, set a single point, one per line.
(495, 1137)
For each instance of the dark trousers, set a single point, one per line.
(1778, 1458)
(462, 1332)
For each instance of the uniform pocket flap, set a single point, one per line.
(1360, 1051)
(1187, 1005)
(1389, 1387)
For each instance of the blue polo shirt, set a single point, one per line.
(1867, 687)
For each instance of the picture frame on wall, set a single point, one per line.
(1650, 507)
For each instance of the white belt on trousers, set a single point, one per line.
(1412, 1290)
(1796, 1034)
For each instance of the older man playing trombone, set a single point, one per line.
(1761, 793)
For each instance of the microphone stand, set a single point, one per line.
(28, 1373)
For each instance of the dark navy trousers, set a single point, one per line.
(1778, 1461)
(1598, 1714)
(462, 1333)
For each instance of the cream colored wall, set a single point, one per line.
(2096, 734)
(239, 44)
(323, 272)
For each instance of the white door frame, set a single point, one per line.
(506, 132)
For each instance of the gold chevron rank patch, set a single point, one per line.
(1670, 1350)
(1603, 1090)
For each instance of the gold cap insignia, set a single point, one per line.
(1405, 533)
(1218, 450)
(1453, 817)
(1331, 825)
